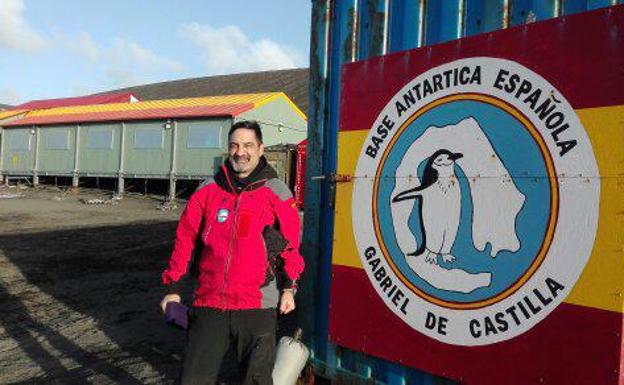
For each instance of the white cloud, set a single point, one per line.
(229, 50)
(123, 62)
(10, 96)
(128, 53)
(15, 32)
(86, 47)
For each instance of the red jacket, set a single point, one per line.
(233, 266)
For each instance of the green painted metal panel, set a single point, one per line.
(140, 160)
(281, 124)
(56, 149)
(94, 155)
(194, 160)
(16, 157)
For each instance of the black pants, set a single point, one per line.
(212, 332)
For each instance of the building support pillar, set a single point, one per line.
(120, 185)
(75, 176)
(174, 150)
(122, 150)
(172, 188)
(35, 178)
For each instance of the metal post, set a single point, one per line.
(386, 28)
(557, 9)
(2, 140)
(506, 13)
(174, 145)
(75, 177)
(422, 20)
(35, 179)
(122, 150)
(354, 34)
(461, 6)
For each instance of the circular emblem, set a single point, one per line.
(476, 174)
(222, 215)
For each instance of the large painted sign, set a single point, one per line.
(478, 236)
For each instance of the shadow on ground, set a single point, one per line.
(87, 308)
(82, 305)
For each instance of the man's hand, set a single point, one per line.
(168, 298)
(287, 302)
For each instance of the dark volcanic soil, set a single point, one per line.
(79, 289)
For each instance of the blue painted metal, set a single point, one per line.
(523, 11)
(403, 20)
(482, 16)
(437, 32)
(371, 28)
(570, 7)
(595, 4)
(348, 30)
(310, 307)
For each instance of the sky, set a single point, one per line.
(64, 48)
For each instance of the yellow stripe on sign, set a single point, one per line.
(602, 282)
(345, 251)
(601, 285)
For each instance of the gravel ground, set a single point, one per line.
(79, 288)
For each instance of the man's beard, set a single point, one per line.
(239, 168)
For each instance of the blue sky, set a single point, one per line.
(62, 48)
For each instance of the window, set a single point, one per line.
(203, 137)
(18, 140)
(145, 138)
(56, 139)
(100, 138)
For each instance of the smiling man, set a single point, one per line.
(236, 215)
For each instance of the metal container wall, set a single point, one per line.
(193, 161)
(351, 30)
(18, 151)
(147, 162)
(99, 159)
(56, 150)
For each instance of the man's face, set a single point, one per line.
(245, 151)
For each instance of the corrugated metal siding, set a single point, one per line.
(99, 160)
(200, 161)
(280, 122)
(229, 105)
(10, 113)
(156, 104)
(77, 101)
(349, 30)
(142, 114)
(18, 161)
(147, 161)
(53, 160)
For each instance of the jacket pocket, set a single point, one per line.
(244, 225)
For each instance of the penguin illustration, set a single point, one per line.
(439, 204)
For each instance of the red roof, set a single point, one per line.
(160, 113)
(77, 101)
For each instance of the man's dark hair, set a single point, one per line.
(248, 124)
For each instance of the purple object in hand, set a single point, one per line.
(177, 314)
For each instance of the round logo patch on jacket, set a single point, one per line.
(222, 215)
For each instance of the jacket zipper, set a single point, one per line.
(234, 233)
(230, 247)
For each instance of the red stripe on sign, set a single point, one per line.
(581, 55)
(573, 345)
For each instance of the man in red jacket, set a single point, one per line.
(237, 294)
